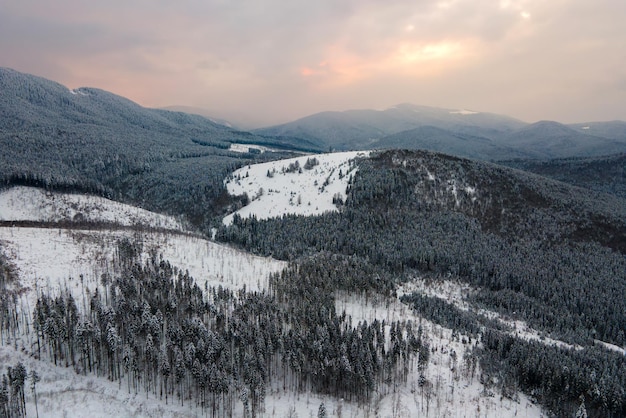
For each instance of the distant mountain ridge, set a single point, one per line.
(358, 129)
(30, 100)
(548, 139)
(458, 132)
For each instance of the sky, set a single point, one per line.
(263, 62)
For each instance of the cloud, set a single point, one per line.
(281, 60)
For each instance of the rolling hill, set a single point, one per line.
(527, 247)
(359, 129)
(454, 143)
(93, 141)
(463, 133)
(603, 174)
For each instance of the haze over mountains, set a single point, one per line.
(38, 107)
(458, 132)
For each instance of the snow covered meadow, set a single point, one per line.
(33, 204)
(292, 186)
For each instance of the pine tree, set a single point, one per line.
(321, 412)
(34, 379)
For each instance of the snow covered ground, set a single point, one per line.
(275, 190)
(451, 389)
(56, 258)
(242, 148)
(32, 204)
(456, 293)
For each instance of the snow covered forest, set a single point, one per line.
(154, 263)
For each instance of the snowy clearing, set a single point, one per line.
(56, 258)
(243, 148)
(32, 204)
(293, 187)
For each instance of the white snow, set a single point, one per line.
(33, 204)
(456, 293)
(63, 393)
(57, 258)
(451, 390)
(302, 192)
(242, 148)
(246, 148)
(78, 91)
(463, 112)
(611, 347)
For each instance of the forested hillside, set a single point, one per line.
(533, 249)
(92, 141)
(603, 174)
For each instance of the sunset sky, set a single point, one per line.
(271, 61)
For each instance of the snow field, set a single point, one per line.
(55, 259)
(62, 393)
(309, 192)
(33, 204)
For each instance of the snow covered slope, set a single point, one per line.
(75, 259)
(33, 204)
(451, 387)
(55, 259)
(292, 186)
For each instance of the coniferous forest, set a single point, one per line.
(536, 249)
(153, 328)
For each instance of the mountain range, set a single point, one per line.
(457, 132)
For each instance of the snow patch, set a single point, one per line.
(611, 347)
(284, 187)
(32, 204)
(463, 112)
(456, 293)
(78, 92)
(244, 148)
